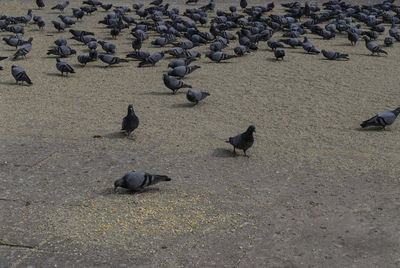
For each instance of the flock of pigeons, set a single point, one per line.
(251, 27)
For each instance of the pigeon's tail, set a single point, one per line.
(123, 60)
(230, 140)
(382, 51)
(343, 56)
(186, 86)
(162, 178)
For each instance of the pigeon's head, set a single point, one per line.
(208, 54)
(118, 183)
(73, 51)
(397, 109)
(366, 38)
(251, 129)
(130, 109)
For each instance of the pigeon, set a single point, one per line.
(181, 71)
(139, 55)
(111, 60)
(180, 62)
(243, 4)
(40, 23)
(137, 44)
(241, 50)
(20, 75)
(92, 44)
(60, 26)
(373, 47)
(331, 55)
(243, 141)
(16, 29)
(106, 7)
(196, 95)
(274, 44)
(40, 3)
(79, 32)
(24, 49)
(61, 42)
(61, 6)
(174, 84)
(393, 32)
(13, 41)
(308, 46)
(130, 122)
(152, 59)
(382, 119)
(67, 20)
(107, 47)
(77, 13)
(279, 54)
(64, 67)
(389, 40)
(353, 37)
(218, 56)
(84, 39)
(61, 51)
(83, 59)
(136, 181)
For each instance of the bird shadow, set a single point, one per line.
(156, 93)
(8, 83)
(54, 74)
(223, 152)
(121, 191)
(272, 60)
(112, 135)
(369, 129)
(183, 105)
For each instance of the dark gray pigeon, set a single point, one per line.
(174, 84)
(181, 71)
(83, 59)
(40, 3)
(24, 49)
(61, 51)
(111, 60)
(308, 46)
(243, 141)
(196, 95)
(136, 181)
(219, 56)
(64, 67)
(20, 75)
(382, 119)
(331, 55)
(180, 62)
(152, 59)
(389, 40)
(279, 54)
(139, 55)
(61, 6)
(241, 50)
(373, 47)
(130, 122)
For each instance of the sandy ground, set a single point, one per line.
(315, 192)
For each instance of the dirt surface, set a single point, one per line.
(316, 191)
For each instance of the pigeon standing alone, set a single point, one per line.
(373, 47)
(136, 181)
(130, 122)
(382, 119)
(174, 84)
(19, 74)
(331, 55)
(196, 95)
(243, 141)
(64, 67)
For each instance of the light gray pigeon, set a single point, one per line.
(180, 62)
(61, 51)
(83, 59)
(136, 181)
(111, 60)
(331, 55)
(61, 6)
(243, 141)
(373, 47)
(196, 95)
(19, 74)
(382, 119)
(181, 71)
(174, 84)
(64, 67)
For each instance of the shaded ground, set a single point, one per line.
(315, 192)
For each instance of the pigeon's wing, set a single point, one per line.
(235, 141)
(387, 116)
(135, 180)
(124, 123)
